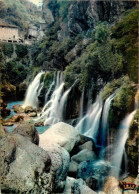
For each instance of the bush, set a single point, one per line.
(21, 50)
(7, 49)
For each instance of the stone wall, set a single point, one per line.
(9, 34)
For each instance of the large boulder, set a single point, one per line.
(24, 167)
(94, 173)
(77, 186)
(59, 168)
(18, 108)
(27, 130)
(95, 169)
(83, 155)
(60, 134)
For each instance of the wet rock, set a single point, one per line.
(112, 186)
(77, 186)
(29, 131)
(29, 109)
(60, 134)
(15, 118)
(7, 124)
(93, 168)
(18, 108)
(33, 114)
(39, 124)
(83, 155)
(23, 166)
(88, 145)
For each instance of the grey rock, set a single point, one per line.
(84, 155)
(27, 130)
(77, 186)
(23, 166)
(60, 134)
(59, 168)
(88, 145)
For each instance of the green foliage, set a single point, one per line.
(2, 61)
(123, 103)
(102, 32)
(125, 37)
(15, 72)
(7, 49)
(21, 50)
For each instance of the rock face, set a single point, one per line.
(84, 15)
(60, 134)
(23, 166)
(29, 131)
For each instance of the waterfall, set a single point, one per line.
(89, 124)
(33, 92)
(63, 102)
(119, 146)
(51, 111)
(105, 117)
(81, 105)
(49, 90)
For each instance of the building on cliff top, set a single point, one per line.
(9, 33)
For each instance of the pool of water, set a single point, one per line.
(10, 106)
(41, 129)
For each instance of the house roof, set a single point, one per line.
(2, 24)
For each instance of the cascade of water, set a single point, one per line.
(33, 92)
(105, 117)
(81, 105)
(63, 101)
(119, 146)
(49, 90)
(51, 111)
(89, 124)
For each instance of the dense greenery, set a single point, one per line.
(123, 102)
(14, 70)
